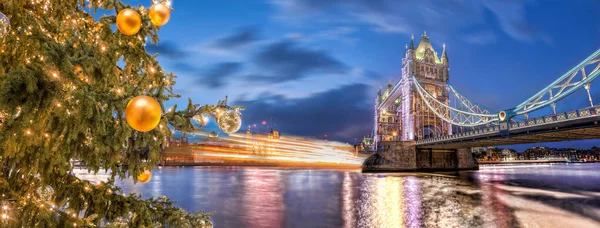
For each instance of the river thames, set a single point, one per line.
(524, 195)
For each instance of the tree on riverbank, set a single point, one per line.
(66, 77)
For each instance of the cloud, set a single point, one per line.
(511, 17)
(393, 16)
(213, 76)
(241, 37)
(167, 49)
(216, 75)
(286, 61)
(340, 33)
(343, 113)
(481, 38)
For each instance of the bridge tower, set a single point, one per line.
(402, 117)
(407, 118)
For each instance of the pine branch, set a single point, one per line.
(50, 114)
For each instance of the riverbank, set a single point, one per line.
(521, 161)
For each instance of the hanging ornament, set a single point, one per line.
(201, 119)
(129, 22)
(143, 113)
(46, 193)
(145, 176)
(159, 14)
(77, 69)
(230, 121)
(4, 25)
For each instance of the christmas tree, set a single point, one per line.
(69, 71)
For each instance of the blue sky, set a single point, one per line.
(313, 67)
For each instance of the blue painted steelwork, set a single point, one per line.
(562, 84)
(549, 120)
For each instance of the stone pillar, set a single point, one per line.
(396, 156)
(393, 156)
(466, 159)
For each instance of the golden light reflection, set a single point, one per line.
(348, 204)
(383, 203)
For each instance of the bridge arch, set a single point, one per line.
(430, 131)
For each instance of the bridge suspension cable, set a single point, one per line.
(474, 117)
(472, 106)
(563, 86)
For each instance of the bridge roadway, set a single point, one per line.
(573, 125)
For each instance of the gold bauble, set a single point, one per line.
(129, 22)
(143, 113)
(230, 121)
(77, 69)
(145, 176)
(159, 14)
(4, 25)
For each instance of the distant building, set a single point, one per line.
(494, 154)
(274, 133)
(536, 153)
(177, 141)
(508, 154)
(213, 135)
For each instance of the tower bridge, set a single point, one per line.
(422, 122)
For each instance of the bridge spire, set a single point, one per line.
(444, 55)
(412, 42)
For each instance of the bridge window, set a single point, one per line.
(390, 120)
(422, 68)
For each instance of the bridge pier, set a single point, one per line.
(398, 156)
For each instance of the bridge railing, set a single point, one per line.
(519, 125)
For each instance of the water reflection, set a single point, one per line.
(262, 201)
(495, 196)
(348, 195)
(413, 202)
